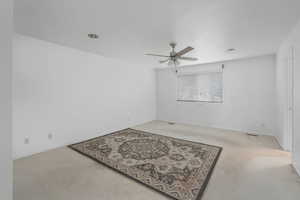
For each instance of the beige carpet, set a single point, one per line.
(177, 168)
(249, 168)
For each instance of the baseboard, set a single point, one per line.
(297, 167)
(279, 143)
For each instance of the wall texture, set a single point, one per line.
(293, 40)
(73, 95)
(249, 98)
(5, 100)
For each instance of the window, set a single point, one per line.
(202, 87)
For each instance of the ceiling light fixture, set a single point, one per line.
(93, 36)
(231, 50)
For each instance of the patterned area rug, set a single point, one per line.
(177, 168)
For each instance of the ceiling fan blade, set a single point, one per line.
(163, 61)
(184, 51)
(188, 58)
(149, 54)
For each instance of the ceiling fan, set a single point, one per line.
(174, 57)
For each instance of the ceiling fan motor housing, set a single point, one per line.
(175, 56)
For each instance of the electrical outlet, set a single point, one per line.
(26, 141)
(129, 116)
(50, 136)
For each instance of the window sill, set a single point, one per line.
(195, 101)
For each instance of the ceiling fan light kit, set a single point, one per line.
(174, 57)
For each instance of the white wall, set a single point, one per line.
(293, 40)
(249, 98)
(74, 95)
(5, 100)
(281, 92)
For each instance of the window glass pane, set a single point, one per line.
(206, 87)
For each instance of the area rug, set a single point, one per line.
(177, 168)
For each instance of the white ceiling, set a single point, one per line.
(130, 28)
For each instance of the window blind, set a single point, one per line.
(201, 86)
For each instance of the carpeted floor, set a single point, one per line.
(177, 168)
(249, 168)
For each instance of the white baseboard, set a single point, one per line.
(297, 167)
(279, 143)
